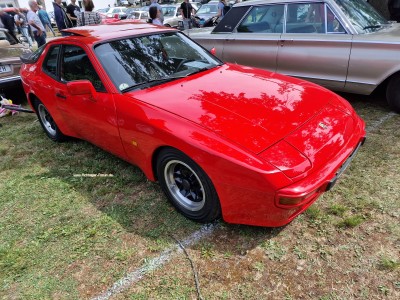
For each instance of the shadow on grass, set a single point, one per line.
(115, 188)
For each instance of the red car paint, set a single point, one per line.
(258, 135)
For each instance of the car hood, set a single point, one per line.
(250, 107)
(388, 34)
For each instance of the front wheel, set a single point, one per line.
(187, 186)
(393, 93)
(48, 123)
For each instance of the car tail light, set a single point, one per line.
(116, 16)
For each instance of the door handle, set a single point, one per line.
(59, 95)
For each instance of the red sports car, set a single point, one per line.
(222, 139)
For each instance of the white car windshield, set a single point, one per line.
(362, 15)
(208, 9)
(144, 61)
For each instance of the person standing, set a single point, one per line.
(394, 10)
(34, 22)
(62, 19)
(154, 15)
(45, 19)
(72, 11)
(160, 13)
(88, 17)
(186, 12)
(221, 9)
(21, 21)
(8, 23)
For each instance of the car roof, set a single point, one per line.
(94, 33)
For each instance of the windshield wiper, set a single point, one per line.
(372, 27)
(164, 79)
(150, 82)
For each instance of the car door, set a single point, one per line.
(91, 117)
(314, 45)
(255, 40)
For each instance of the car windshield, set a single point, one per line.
(362, 15)
(140, 62)
(208, 9)
(168, 11)
(103, 10)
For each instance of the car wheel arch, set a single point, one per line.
(392, 90)
(32, 99)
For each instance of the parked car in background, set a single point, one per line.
(343, 45)
(221, 139)
(10, 63)
(207, 11)
(102, 10)
(172, 13)
(116, 12)
(139, 15)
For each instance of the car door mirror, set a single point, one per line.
(27, 57)
(213, 51)
(81, 88)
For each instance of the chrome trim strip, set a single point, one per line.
(10, 79)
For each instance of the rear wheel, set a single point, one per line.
(187, 186)
(393, 93)
(48, 123)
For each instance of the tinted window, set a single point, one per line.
(263, 19)
(75, 65)
(229, 22)
(50, 62)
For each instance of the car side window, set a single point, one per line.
(332, 23)
(312, 18)
(50, 62)
(76, 65)
(236, 14)
(261, 19)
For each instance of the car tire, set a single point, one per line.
(187, 186)
(48, 124)
(393, 93)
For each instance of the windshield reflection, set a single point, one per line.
(143, 61)
(362, 15)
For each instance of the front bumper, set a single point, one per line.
(262, 207)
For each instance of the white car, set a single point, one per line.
(113, 11)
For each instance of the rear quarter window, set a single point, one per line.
(231, 19)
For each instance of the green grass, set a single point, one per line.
(60, 231)
(70, 237)
(388, 264)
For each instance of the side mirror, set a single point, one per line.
(26, 57)
(81, 88)
(213, 51)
